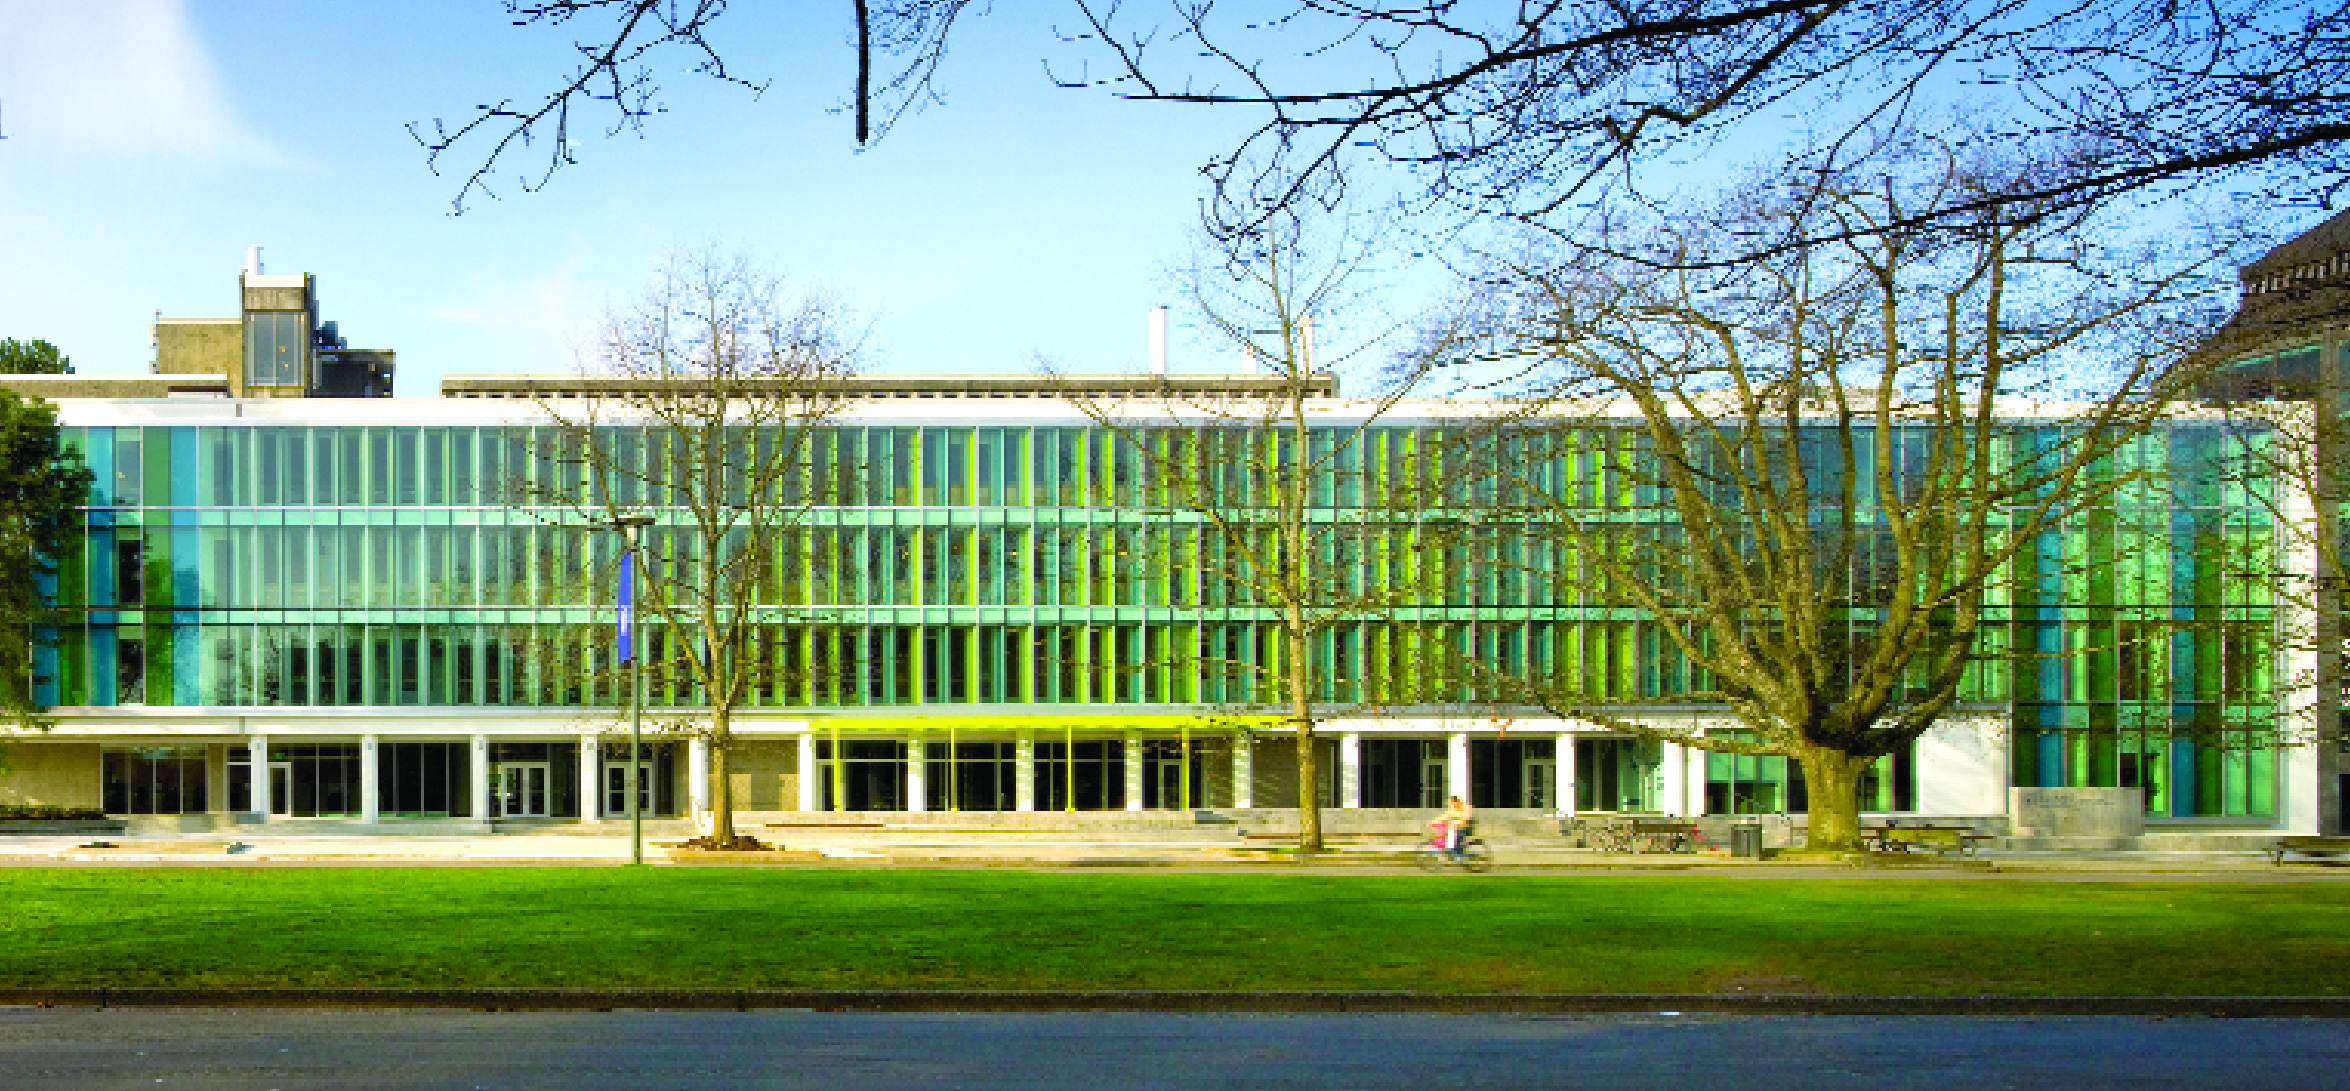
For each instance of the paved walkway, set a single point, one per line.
(913, 848)
(78, 1049)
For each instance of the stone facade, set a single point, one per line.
(54, 774)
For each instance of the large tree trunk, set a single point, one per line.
(721, 786)
(1309, 773)
(1832, 777)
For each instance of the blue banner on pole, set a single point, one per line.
(627, 601)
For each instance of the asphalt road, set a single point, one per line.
(82, 1049)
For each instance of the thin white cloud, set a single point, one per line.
(547, 309)
(128, 78)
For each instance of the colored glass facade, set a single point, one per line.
(268, 564)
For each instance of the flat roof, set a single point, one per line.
(1321, 385)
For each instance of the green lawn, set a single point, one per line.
(759, 928)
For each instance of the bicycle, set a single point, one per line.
(1473, 855)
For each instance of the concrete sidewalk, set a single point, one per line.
(912, 848)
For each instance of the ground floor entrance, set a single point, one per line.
(992, 770)
(527, 771)
(520, 789)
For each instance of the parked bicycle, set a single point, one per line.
(1472, 855)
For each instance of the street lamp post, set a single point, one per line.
(628, 526)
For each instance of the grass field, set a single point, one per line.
(757, 928)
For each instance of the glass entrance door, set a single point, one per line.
(1432, 780)
(520, 788)
(281, 788)
(616, 788)
(1535, 794)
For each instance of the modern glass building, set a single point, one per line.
(334, 611)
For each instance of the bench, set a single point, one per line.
(1940, 840)
(1291, 835)
(2308, 848)
(1639, 835)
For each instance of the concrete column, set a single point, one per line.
(917, 776)
(1133, 745)
(1350, 770)
(1244, 771)
(1024, 772)
(2310, 796)
(808, 771)
(697, 764)
(481, 778)
(1696, 781)
(370, 780)
(257, 755)
(216, 778)
(591, 777)
(1674, 771)
(1563, 768)
(1456, 765)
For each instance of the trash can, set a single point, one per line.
(1746, 840)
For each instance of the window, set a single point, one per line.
(130, 566)
(276, 347)
(1617, 774)
(154, 780)
(971, 776)
(870, 777)
(130, 667)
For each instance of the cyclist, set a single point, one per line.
(1459, 821)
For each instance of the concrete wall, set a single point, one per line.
(202, 346)
(276, 293)
(61, 387)
(1274, 779)
(764, 774)
(58, 774)
(1962, 768)
(1216, 769)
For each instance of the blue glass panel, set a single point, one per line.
(2182, 772)
(99, 454)
(2051, 760)
(186, 660)
(102, 665)
(185, 568)
(187, 470)
(45, 667)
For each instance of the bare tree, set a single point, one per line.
(706, 409)
(1822, 476)
(1284, 505)
(1520, 110)
(617, 78)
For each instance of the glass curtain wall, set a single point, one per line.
(268, 565)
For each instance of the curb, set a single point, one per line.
(1202, 1002)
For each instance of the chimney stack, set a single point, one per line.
(253, 261)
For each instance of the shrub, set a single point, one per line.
(47, 812)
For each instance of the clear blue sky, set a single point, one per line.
(148, 142)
